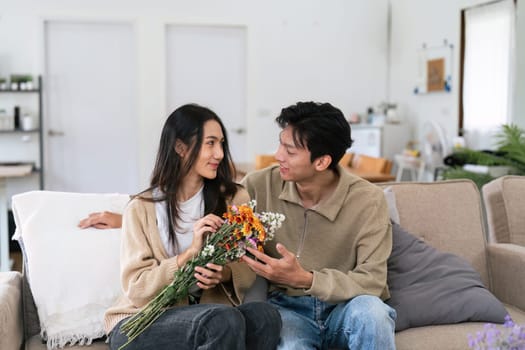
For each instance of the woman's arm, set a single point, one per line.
(102, 220)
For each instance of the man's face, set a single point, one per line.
(294, 161)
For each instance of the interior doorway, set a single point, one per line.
(206, 64)
(91, 113)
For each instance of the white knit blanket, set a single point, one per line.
(73, 274)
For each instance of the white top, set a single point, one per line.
(190, 211)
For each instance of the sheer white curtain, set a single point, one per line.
(489, 67)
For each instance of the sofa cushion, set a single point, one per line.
(504, 202)
(429, 287)
(73, 274)
(10, 310)
(446, 337)
(36, 343)
(390, 198)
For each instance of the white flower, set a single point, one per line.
(252, 204)
(272, 222)
(208, 250)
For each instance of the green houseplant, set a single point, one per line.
(510, 152)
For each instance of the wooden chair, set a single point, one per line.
(346, 160)
(367, 164)
(389, 165)
(264, 160)
(372, 169)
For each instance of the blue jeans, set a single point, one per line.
(253, 325)
(364, 322)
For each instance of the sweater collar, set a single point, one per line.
(330, 207)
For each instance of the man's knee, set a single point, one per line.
(369, 307)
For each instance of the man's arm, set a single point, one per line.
(102, 220)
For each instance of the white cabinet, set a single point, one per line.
(379, 141)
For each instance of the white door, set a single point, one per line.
(207, 65)
(91, 111)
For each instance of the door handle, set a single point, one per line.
(239, 131)
(52, 132)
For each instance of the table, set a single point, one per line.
(7, 171)
(415, 165)
(372, 177)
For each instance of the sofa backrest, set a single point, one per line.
(505, 206)
(29, 312)
(447, 215)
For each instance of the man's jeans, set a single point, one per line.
(208, 326)
(364, 322)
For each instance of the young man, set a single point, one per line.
(327, 265)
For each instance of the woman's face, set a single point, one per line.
(211, 152)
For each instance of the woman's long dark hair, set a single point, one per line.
(186, 124)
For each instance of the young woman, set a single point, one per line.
(165, 226)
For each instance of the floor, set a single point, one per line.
(17, 261)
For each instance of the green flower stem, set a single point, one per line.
(181, 284)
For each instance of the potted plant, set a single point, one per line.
(21, 81)
(27, 82)
(483, 166)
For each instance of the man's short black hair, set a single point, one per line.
(318, 127)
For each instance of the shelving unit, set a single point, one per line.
(11, 168)
(39, 130)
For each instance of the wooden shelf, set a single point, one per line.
(19, 131)
(9, 91)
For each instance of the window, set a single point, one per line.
(488, 56)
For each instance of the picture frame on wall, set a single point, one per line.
(436, 74)
(434, 69)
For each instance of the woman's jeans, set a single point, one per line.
(364, 322)
(253, 325)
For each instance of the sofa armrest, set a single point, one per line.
(507, 267)
(11, 331)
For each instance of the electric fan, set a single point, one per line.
(434, 146)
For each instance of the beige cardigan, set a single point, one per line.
(146, 268)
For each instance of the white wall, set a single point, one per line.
(297, 50)
(331, 51)
(415, 22)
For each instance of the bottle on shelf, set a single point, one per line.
(17, 118)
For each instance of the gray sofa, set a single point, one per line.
(446, 215)
(503, 198)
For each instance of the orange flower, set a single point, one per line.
(246, 229)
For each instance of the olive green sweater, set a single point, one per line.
(345, 240)
(146, 268)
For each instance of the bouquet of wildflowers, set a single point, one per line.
(242, 228)
(510, 337)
